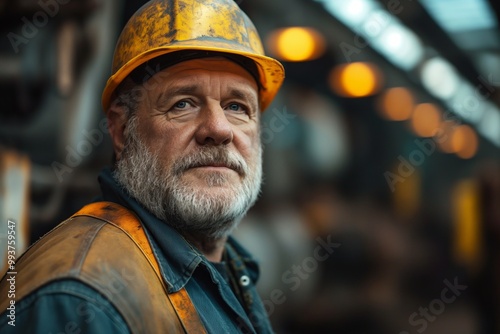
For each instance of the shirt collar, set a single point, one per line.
(177, 258)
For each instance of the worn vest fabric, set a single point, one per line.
(107, 259)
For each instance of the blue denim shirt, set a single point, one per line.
(223, 293)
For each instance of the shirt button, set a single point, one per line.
(244, 280)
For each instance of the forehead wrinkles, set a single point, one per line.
(194, 76)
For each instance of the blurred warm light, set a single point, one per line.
(467, 225)
(396, 104)
(464, 141)
(296, 44)
(440, 78)
(443, 136)
(355, 79)
(407, 194)
(425, 120)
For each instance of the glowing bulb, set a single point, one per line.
(296, 44)
(464, 141)
(355, 79)
(425, 120)
(396, 104)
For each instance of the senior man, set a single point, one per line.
(154, 255)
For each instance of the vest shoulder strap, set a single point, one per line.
(130, 224)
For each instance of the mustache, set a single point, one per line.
(211, 156)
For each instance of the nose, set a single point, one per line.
(214, 128)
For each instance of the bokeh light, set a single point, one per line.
(355, 79)
(396, 104)
(296, 44)
(467, 243)
(425, 120)
(464, 141)
(443, 136)
(440, 78)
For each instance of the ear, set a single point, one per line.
(117, 119)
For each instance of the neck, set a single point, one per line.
(211, 248)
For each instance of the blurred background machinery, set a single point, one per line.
(383, 142)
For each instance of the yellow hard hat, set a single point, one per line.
(161, 27)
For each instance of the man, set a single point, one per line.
(155, 256)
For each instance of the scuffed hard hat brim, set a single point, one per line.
(271, 71)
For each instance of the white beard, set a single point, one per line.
(189, 208)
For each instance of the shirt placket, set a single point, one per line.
(246, 292)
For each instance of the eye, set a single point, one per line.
(236, 107)
(181, 105)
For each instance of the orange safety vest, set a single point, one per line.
(104, 245)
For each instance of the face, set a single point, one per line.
(191, 154)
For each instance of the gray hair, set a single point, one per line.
(128, 95)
